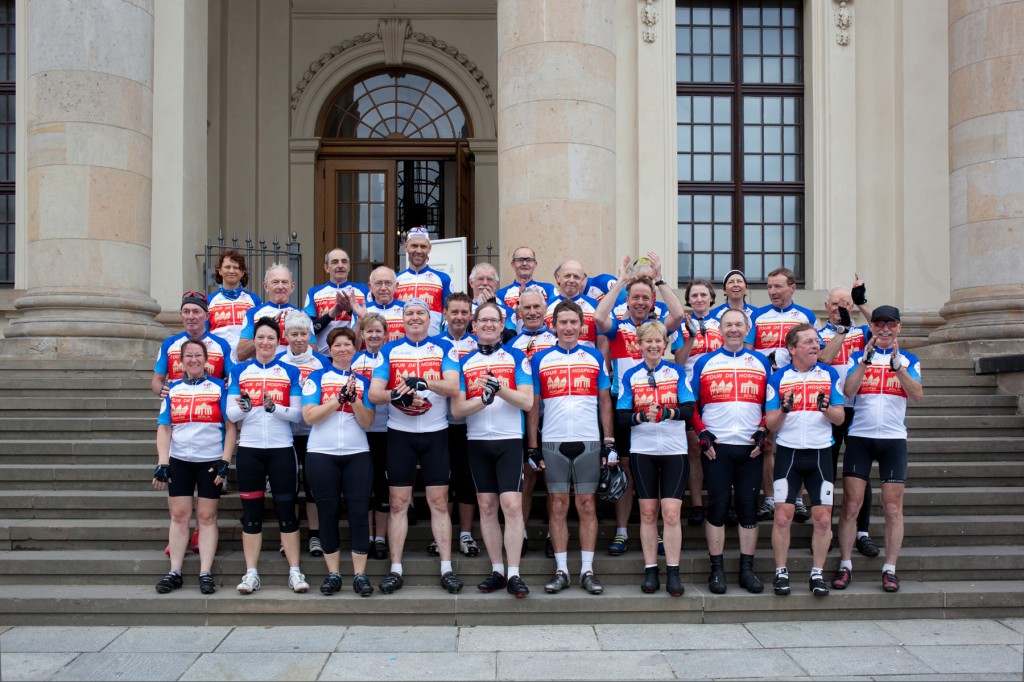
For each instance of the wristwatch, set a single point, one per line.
(659, 282)
(840, 329)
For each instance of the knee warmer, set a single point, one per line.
(252, 519)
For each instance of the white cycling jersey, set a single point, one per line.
(340, 434)
(880, 406)
(730, 390)
(195, 410)
(501, 419)
(274, 380)
(805, 426)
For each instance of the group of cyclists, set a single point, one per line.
(485, 392)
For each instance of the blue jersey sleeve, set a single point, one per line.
(223, 400)
(309, 304)
(685, 395)
(366, 392)
(835, 395)
(383, 370)
(165, 410)
(855, 360)
(772, 390)
(161, 357)
(248, 326)
(450, 359)
(236, 372)
(626, 392)
(524, 371)
(311, 389)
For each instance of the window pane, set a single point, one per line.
(701, 167)
(702, 110)
(701, 237)
(722, 168)
(723, 109)
(683, 109)
(702, 266)
(702, 138)
(722, 138)
(702, 209)
(720, 41)
(702, 69)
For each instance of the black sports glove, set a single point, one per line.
(533, 457)
(869, 353)
(490, 390)
(859, 294)
(222, 468)
(610, 454)
(822, 401)
(346, 394)
(269, 405)
(706, 440)
(416, 384)
(401, 400)
(760, 437)
(895, 361)
(162, 472)
(844, 318)
(246, 402)
(787, 402)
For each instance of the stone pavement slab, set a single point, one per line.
(970, 658)
(978, 677)
(874, 661)
(32, 666)
(533, 638)
(125, 666)
(251, 666)
(158, 638)
(820, 633)
(57, 639)
(410, 666)
(1014, 624)
(957, 631)
(674, 637)
(281, 639)
(588, 665)
(765, 664)
(413, 639)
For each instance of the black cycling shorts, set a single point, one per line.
(659, 477)
(187, 477)
(497, 465)
(430, 450)
(890, 453)
(810, 467)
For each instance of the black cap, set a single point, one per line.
(885, 312)
(730, 274)
(195, 297)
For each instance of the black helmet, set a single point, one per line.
(612, 484)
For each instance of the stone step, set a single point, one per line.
(963, 405)
(127, 477)
(965, 426)
(148, 533)
(85, 428)
(20, 384)
(276, 605)
(113, 567)
(70, 406)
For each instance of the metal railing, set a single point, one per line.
(258, 257)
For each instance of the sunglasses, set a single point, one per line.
(193, 294)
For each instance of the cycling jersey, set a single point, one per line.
(266, 310)
(855, 341)
(666, 386)
(730, 390)
(428, 359)
(588, 334)
(533, 342)
(568, 383)
(320, 299)
(599, 285)
(218, 356)
(195, 410)
(393, 315)
(363, 364)
(717, 311)
(501, 419)
(509, 295)
(769, 326)
(464, 346)
(227, 314)
(276, 380)
(880, 406)
(340, 433)
(624, 349)
(709, 339)
(430, 285)
(805, 427)
(307, 363)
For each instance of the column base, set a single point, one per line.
(68, 322)
(979, 325)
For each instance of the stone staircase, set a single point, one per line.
(82, 532)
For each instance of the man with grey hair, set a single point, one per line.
(330, 304)
(483, 282)
(278, 284)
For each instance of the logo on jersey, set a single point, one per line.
(203, 408)
(733, 386)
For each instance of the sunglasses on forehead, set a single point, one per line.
(193, 294)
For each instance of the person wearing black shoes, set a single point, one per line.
(655, 402)
(730, 385)
(195, 441)
(336, 403)
(880, 382)
(803, 401)
(495, 388)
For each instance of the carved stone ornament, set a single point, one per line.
(649, 17)
(394, 33)
(843, 21)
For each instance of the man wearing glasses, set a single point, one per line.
(881, 380)
(194, 314)
(524, 262)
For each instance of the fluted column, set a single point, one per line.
(985, 312)
(556, 131)
(89, 161)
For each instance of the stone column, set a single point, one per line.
(985, 312)
(89, 149)
(556, 131)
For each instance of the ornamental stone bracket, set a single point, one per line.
(843, 19)
(649, 19)
(394, 33)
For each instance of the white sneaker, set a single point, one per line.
(297, 581)
(250, 583)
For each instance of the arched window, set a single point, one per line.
(396, 106)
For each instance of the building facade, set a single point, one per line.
(878, 137)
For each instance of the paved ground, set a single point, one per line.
(854, 650)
